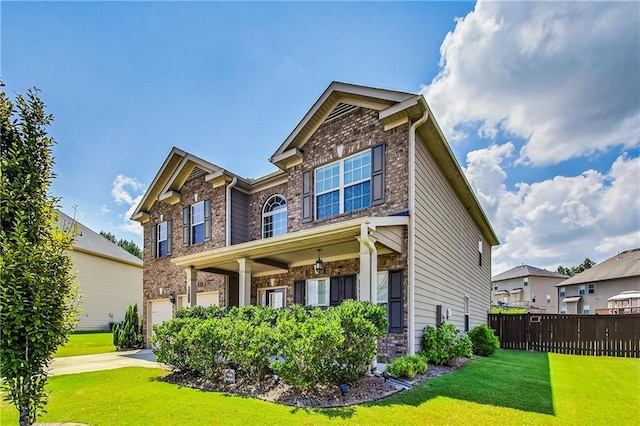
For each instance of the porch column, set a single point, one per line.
(192, 286)
(374, 270)
(244, 287)
(365, 271)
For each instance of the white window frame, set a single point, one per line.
(327, 292)
(586, 309)
(582, 289)
(563, 291)
(525, 281)
(193, 223)
(272, 213)
(548, 298)
(591, 288)
(262, 295)
(563, 308)
(341, 185)
(160, 239)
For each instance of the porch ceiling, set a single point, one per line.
(278, 254)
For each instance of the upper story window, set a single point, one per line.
(161, 237)
(525, 281)
(163, 245)
(581, 289)
(591, 288)
(196, 223)
(563, 291)
(343, 186)
(274, 217)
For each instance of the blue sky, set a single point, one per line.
(540, 101)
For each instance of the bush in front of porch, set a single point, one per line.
(303, 346)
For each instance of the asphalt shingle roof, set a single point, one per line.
(91, 242)
(623, 265)
(525, 271)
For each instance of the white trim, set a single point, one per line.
(411, 287)
(263, 291)
(272, 213)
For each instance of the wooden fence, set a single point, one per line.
(605, 335)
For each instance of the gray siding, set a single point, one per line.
(446, 252)
(239, 217)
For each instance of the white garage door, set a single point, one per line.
(207, 299)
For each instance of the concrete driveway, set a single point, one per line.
(108, 361)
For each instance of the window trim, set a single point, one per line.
(591, 288)
(563, 291)
(467, 312)
(160, 240)
(272, 213)
(341, 184)
(193, 224)
(582, 289)
(586, 310)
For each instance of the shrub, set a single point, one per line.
(201, 312)
(172, 342)
(441, 344)
(205, 347)
(407, 366)
(128, 335)
(485, 342)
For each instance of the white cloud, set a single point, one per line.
(560, 220)
(562, 76)
(127, 190)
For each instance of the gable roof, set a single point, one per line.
(525, 271)
(623, 265)
(91, 242)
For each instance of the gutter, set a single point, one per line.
(233, 183)
(411, 332)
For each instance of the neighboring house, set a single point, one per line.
(591, 291)
(369, 203)
(527, 287)
(109, 277)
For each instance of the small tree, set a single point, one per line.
(128, 335)
(37, 303)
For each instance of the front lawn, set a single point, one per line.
(513, 387)
(87, 344)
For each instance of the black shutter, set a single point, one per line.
(207, 220)
(154, 241)
(377, 174)
(349, 287)
(298, 292)
(395, 302)
(186, 218)
(335, 291)
(307, 196)
(233, 290)
(169, 236)
(438, 315)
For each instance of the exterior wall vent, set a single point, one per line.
(340, 110)
(197, 171)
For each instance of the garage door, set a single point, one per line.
(160, 311)
(207, 299)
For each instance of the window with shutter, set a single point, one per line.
(307, 196)
(377, 174)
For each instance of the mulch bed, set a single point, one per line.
(368, 389)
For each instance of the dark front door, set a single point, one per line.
(342, 288)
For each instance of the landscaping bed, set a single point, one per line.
(368, 389)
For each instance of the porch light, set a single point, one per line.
(172, 297)
(319, 266)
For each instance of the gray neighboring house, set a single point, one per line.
(526, 287)
(589, 292)
(109, 277)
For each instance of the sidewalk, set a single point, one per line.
(108, 361)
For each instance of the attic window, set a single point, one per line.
(197, 171)
(340, 110)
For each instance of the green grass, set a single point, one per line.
(512, 387)
(87, 344)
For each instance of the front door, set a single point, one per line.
(342, 288)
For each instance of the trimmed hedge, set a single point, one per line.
(303, 346)
(485, 342)
(407, 366)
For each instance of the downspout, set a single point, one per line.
(233, 183)
(411, 332)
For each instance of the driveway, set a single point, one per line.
(108, 361)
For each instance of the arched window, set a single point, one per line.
(274, 217)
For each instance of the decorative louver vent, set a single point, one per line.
(197, 171)
(341, 109)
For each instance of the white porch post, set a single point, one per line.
(365, 271)
(244, 285)
(374, 270)
(192, 286)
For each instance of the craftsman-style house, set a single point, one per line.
(368, 203)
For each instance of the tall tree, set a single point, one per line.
(129, 246)
(38, 303)
(573, 270)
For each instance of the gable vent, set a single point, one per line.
(197, 171)
(340, 110)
